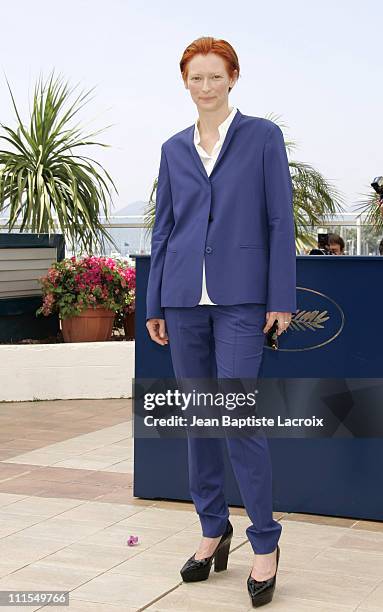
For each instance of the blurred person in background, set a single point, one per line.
(336, 244)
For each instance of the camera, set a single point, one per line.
(377, 184)
(323, 245)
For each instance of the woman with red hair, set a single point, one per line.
(222, 272)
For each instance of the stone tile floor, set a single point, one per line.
(67, 509)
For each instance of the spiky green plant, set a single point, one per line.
(371, 210)
(41, 176)
(315, 200)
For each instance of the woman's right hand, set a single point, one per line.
(157, 331)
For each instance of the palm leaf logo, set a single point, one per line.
(309, 319)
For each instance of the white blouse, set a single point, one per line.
(209, 161)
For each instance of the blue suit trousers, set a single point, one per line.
(214, 341)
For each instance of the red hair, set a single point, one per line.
(208, 44)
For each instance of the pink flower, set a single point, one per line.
(52, 274)
(48, 302)
(132, 540)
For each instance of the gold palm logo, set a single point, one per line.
(309, 319)
(313, 320)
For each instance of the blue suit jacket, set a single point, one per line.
(240, 218)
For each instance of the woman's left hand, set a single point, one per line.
(284, 319)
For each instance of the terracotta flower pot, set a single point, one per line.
(91, 325)
(129, 325)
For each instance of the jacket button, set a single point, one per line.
(208, 250)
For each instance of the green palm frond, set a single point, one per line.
(41, 177)
(315, 199)
(370, 210)
(150, 210)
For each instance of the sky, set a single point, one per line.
(314, 65)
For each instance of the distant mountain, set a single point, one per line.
(134, 208)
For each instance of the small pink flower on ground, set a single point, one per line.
(132, 540)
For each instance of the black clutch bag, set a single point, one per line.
(272, 336)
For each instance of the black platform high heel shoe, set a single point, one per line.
(261, 591)
(199, 569)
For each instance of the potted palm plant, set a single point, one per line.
(46, 184)
(48, 181)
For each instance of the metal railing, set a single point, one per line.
(132, 236)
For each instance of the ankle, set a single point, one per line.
(207, 547)
(264, 565)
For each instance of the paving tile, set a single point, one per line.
(186, 542)
(21, 486)
(73, 489)
(123, 467)
(117, 535)
(63, 530)
(121, 496)
(15, 608)
(50, 436)
(223, 590)
(185, 599)
(88, 606)
(150, 563)
(35, 577)
(336, 521)
(158, 517)
(10, 498)
(111, 513)
(43, 506)
(292, 604)
(11, 470)
(86, 464)
(309, 533)
(16, 551)
(89, 556)
(12, 523)
(374, 601)
(327, 586)
(106, 478)
(126, 443)
(20, 442)
(44, 456)
(368, 525)
(174, 505)
(20, 448)
(349, 562)
(359, 540)
(239, 522)
(106, 451)
(180, 601)
(28, 426)
(292, 555)
(126, 591)
(57, 474)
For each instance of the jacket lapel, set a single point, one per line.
(194, 153)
